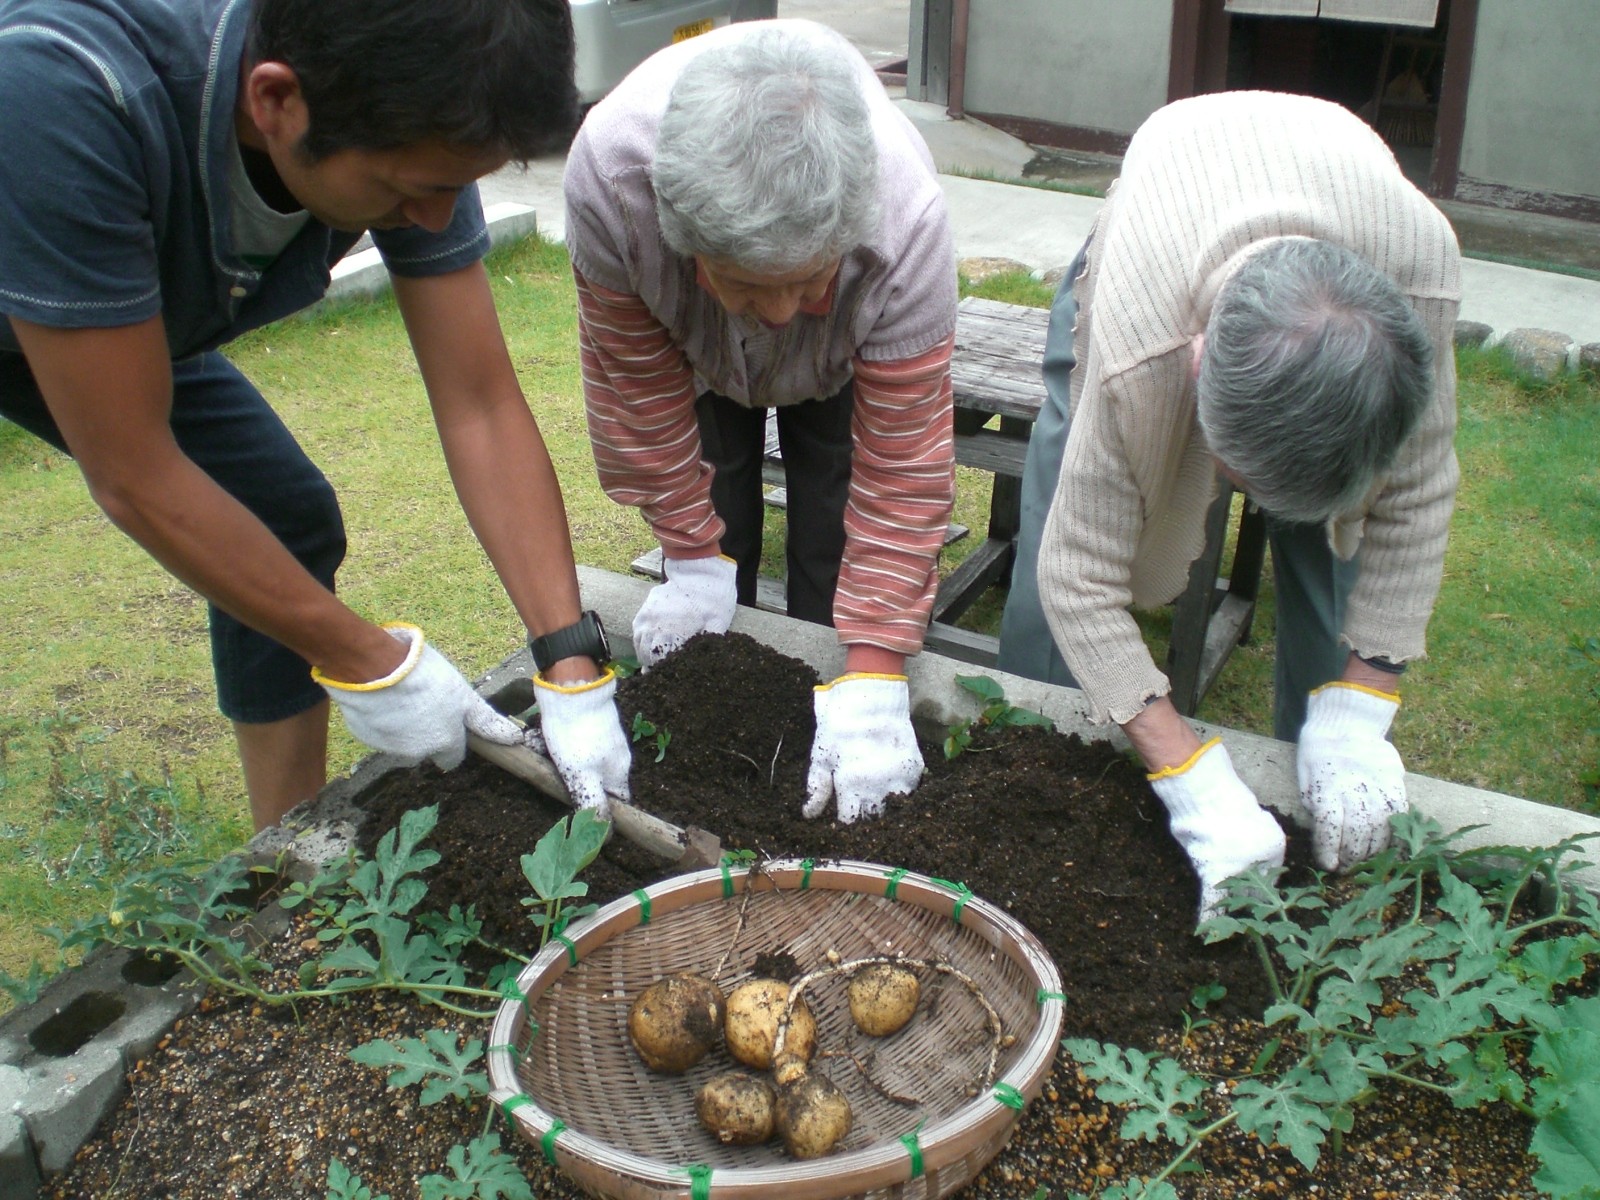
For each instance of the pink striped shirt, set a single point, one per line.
(639, 393)
(653, 338)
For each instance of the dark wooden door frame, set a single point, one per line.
(1452, 116)
(1199, 49)
(1199, 64)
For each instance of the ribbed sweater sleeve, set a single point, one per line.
(902, 490)
(639, 395)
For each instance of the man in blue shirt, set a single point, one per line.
(175, 172)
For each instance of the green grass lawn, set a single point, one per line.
(112, 752)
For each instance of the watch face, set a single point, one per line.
(602, 645)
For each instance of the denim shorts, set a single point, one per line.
(225, 427)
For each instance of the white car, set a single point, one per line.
(614, 36)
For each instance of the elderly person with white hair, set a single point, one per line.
(1264, 297)
(753, 225)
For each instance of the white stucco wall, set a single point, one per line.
(1533, 103)
(1097, 64)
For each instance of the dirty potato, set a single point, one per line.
(751, 1026)
(813, 1116)
(883, 998)
(675, 1021)
(739, 1108)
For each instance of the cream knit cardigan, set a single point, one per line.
(1204, 182)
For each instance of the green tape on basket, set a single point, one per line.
(895, 876)
(510, 1048)
(699, 1180)
(548, 1142)
(1044, 995)
(510, 990)
(643, 897)
(963, 894)
(572, 951)
(807, 865)
(914, 1149)
(511, 1103)
(1008, 1095)
(727, 880)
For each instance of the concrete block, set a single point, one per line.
(323, 830)
(64, 1099)
(19, 1168)
(1589, 359)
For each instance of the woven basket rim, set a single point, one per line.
(941, 1141)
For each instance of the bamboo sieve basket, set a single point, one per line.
(561, 1065)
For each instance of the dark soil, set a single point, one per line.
(241, 1102)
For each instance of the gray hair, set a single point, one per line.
(766, 157)
(1315, 371)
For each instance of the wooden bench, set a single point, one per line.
(995, 375)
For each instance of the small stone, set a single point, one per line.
(1589, 359)
(977, 270)
(1051, 278)
(1540, 352)
(1472, 333)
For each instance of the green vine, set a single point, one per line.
(363, 911)
(1426, 977)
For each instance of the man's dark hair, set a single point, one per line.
(490, 75)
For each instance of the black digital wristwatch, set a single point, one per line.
(585, 638)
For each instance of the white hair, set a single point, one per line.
(765, 156)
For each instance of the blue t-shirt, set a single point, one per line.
(115, 146)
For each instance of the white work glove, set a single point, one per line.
(1351, 777)
(422, 709)
(581, 731)
(865, 748)
(1216, 819)
(699, 596)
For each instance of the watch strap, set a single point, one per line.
(585, 637)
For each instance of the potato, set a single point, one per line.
(813, 1116)
(751, 1025)
(675, 1021)
(883, 998)
(739, 1108)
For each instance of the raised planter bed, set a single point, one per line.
(63, 1060)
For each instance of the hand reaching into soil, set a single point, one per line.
(1351, 777)
(865, 749)
(580, 727)
(699, 596)
(1217, 821)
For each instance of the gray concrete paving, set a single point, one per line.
(994, 217)
(1043, 229)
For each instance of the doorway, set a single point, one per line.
(1407, 82)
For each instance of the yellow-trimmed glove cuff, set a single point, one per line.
(574, 689)
(1392, 697)
(401, 631)
(854, 675)
(1181, 768)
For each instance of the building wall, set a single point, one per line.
(1533, 104)
(1093, 64)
